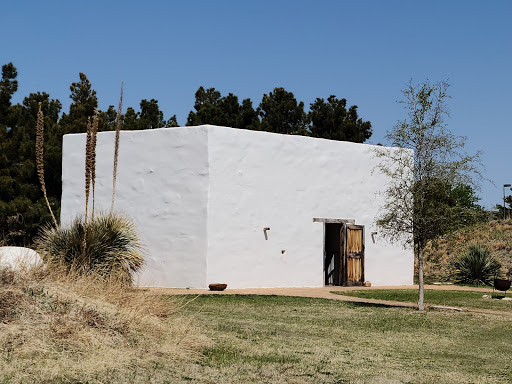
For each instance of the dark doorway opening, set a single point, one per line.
(332, 254)
(343, 253)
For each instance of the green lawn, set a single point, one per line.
(436, 297)
(269, 339)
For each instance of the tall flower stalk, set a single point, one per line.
(94, 133)
(88, 163)
(40, 158)
(116, 148)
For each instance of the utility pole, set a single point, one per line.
(504, 209)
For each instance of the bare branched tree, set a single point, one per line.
(429, 162)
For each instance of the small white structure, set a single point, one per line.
(245, 208)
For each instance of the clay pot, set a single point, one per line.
(217, 287)
(501, 285)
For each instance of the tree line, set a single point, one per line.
(22, 207)
(280, 112)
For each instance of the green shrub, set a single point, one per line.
(476, 266)
(112, 249)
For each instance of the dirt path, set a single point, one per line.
(325, 293)
(321, 292)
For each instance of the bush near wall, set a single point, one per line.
(113, 248)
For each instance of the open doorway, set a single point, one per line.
(343, 253)
(332, 254)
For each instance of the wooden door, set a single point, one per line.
(352, 251)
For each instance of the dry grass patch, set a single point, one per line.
(57, 326)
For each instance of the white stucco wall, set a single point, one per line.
(162, 183)
(260, 179)
(201, 197)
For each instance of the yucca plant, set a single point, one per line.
(108, 244)
(476, 266)
(112, 249)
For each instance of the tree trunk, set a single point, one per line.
(421, 306)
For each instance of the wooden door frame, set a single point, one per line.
(343, 239)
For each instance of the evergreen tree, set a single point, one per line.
(83, 105)
(230, 111)
(150, 115)
(8, 86)
(249, 117)
(22, 207)
(281, 113)
(331, 120)
(172, 122)
(130, 119)
(212, 108)
(107, 119)
(208, 108)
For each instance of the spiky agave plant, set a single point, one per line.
(112, 249)
(476, 266)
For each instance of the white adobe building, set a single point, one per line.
(245, 208)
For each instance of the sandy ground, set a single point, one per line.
(304, 291)
(325, 293)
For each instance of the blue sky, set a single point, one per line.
(364, 51)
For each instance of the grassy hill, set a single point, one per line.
(59, 327)
(495, 235)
